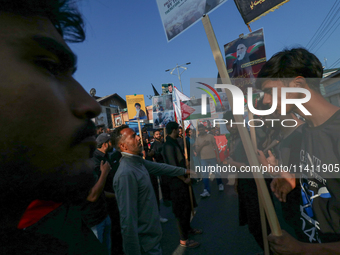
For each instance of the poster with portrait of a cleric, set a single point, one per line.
(136, 107)
(245, 57)
(178, 15)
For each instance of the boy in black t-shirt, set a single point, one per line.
(319, 154)
(285, 186)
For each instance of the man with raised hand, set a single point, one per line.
(46, 131)
(95, 211)
(320, 204)
(136, 198)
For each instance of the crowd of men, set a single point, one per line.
(62, 187)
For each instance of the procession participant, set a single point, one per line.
(207, 149)
(94, 211)
(136, 198)
(180, 196)
(156, 155)
(298, 68)
(284, 185)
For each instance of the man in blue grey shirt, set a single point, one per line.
(139, 216)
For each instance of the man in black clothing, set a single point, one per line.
(319, 154)
(112, 206)
(285, 186)
(156, 154)
(153, 178)
(108, 230)
(94, 211)
(180, 196)
(245, 186)
(156, 147)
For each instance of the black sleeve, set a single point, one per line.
(95, 165)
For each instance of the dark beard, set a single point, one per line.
(72, 186)
(21, 182)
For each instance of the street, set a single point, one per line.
(217, 215)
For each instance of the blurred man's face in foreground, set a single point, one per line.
(46, 129)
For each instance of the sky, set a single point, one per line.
(126, 49)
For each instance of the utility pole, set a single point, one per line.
(178, 72)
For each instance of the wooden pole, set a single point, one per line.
(113, 120)
(122, 119)
(261, 209)
(164, 133)
(140, 131)
(252, 158)
(141, 137)
(185, 148)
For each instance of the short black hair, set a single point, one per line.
(138, 104)
(62, 13)
(171, 126)
(289, 64)
(117, 136)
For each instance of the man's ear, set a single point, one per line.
(122, 146)
(300, 82)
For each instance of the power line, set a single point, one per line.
(329, 35)
(321, 24)
(335, 63)
(322, 36)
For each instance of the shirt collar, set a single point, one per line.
(129, 155)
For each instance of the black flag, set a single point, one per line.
(252, 10)
(154, 90)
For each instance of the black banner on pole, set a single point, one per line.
(252, 10)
